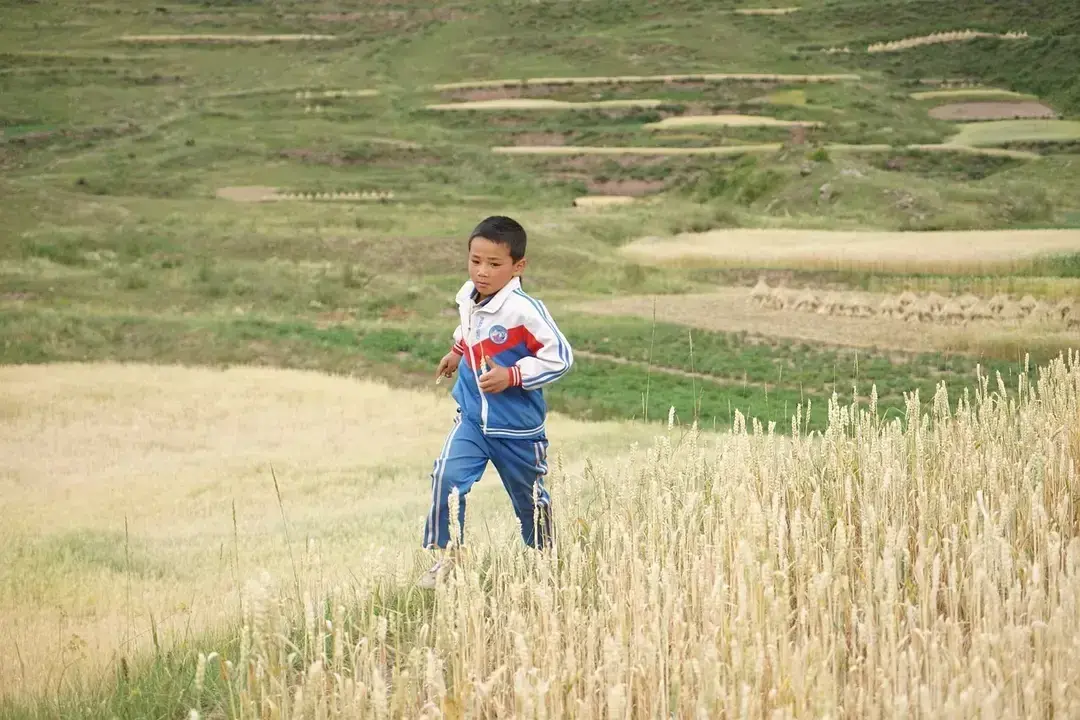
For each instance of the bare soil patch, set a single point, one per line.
(484, 94)
(638, 79)
(341, 17)
(390, 155)
(587, 169)
(992, 111)
(540, 138)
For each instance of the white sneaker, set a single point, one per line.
(431, 578)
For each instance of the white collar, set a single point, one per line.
(465, 294)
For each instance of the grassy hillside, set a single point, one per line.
(114, 151)
(169, 200)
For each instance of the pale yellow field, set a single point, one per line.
(612, 79)
(91, 452)
(766, 11)
(782, 248)
(602, 201)
(542, 104)
(974, 93)
(222, 38)
(685, 121)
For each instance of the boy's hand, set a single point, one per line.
(447, 366)
(496, 379)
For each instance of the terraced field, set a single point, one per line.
(1004, 132)
(735, 214)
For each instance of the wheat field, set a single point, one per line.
(684, 121)
(139, 499)
(928, 568)
(959, 251)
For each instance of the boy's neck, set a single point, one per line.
(478, 297)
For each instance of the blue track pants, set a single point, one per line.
(465, 454)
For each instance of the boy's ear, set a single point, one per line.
(519, 266)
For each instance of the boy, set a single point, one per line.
(511, 348)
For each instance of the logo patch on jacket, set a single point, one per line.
(497, 334)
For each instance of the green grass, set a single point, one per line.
(788, 366)
(1006, 132)
(1044, 66)
(761, 379)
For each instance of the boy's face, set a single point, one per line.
(491, 267)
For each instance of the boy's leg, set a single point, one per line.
(522, 465)
(460, 464)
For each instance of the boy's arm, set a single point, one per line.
(553, 356)
(459, 342)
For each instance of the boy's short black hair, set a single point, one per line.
(504, 231)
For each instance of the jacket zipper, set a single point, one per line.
(478, 364)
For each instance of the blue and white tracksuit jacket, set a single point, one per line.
(515, 331)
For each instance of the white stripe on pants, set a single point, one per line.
(436, 485)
